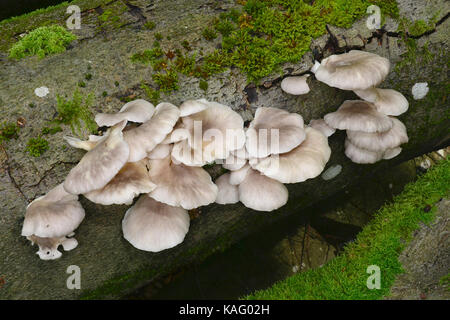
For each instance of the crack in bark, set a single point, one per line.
(46, 172)
(8, 171)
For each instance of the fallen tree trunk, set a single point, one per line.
(110, 266)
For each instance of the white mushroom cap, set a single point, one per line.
(237, 176)
(380, 141)
(136, 111)
(54, 215)
(387, 101)
(213, 133)
(189, 107)
(161, 151)
(181, 185)
(362, 156)
(295, 85)
(99, 165)
(86, 144)
(262, 193)
(233, 163)
(48, 247)
(355, 70)
(321, 125)
(273, 131)
(306, 161)
(147, 136)
(132, 180)
(153, 226)
(392, 153)
(227, 193)
(358, 115)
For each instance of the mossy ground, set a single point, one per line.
(380, 243)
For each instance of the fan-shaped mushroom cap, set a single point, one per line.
(213, 134)
(357, 115)
(153, 226)
(295, 85)
(147, 136)
(54, 215)
(234, 163)
(392, 153)
(237, 176)
(273, 131)
(86, 144)
(189, 107)
(181, 185)
(161, 151)
(227, 193)
(362, 156)
(380, 141)
(387, 101)
(136, 111)
(99, 165)
(321, 125)
(304, 162)
(262, 193)
(132, 180)
(355, 70)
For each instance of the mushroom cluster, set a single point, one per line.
(373, 132)
(159, 153)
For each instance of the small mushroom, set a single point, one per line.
(362, 156)
(227, 193)
(181, 185)
(189, 107)
(154, 226)
(132, 180)
(237, 176)
(392, 153)
(137, 110)
(386, 101)
(321, 125)
(295, 85)
(50, 219)
(86, 144)
(99, 165)
(380, 141)
(355, 70)
(144, 138)
(358, 115)
(306, 161)
(262, 193)
(273, 131)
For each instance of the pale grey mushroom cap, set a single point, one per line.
(147, 136)
(54, 215)
(227, 193)
(237, 176)
(189, 107)
(161, 151)
(154, 226)
(392, 153)
(321, 125)
(273, 131)
(137, 110)
(358, 115)
(84, 144)
(362, 156)
(181, 185)
(99, 165)
(262, 193)
(48, 247)
(380, 141)
(295, 85)
(132, 180)
(233, 163)
(306, 161)
(355, 70)
(386, 101)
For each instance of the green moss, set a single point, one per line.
(116, 83)
(380, 243)
(152, 94)
(215, 62)
(185, 64)
(111, 18)
(185, 44)
(104, 94)
(52, 130)
(41, 42)
(445, 281)
(158, 36)
(167, 81)
(76, 112)
(150, 25)
(209, 34)
(36, 146)
(147, 56)
(8, 130)
(81, 84)
(203, 85)
(224, 27)
(88, 76)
